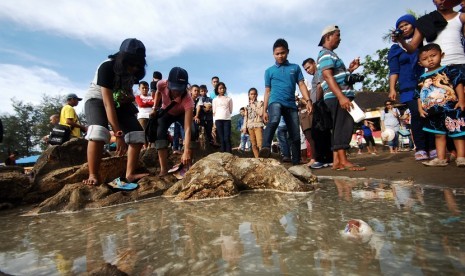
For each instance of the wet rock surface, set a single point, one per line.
(219, 175)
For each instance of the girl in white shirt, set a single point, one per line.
(222, 109)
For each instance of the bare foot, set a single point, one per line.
(135, 177)
(92, 180)
(162, 174)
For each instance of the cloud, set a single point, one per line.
(29, 84)
(166, 27)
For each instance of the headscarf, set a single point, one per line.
(407, 18)
(396, 50)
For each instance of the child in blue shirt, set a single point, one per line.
(441, 101)
(280, 83)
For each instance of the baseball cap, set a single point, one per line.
(178, 79)
(132, 46)
(327, 30)
(73, 96)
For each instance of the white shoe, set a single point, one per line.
(460, 161)
(436, 162)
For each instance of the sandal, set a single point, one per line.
(421, 155)
(122, 184)
(354, 168)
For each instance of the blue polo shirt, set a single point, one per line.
(282, 80)
(328, 59)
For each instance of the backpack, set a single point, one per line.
(59, 135)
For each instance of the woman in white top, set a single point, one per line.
(222, 109)
(390, 119)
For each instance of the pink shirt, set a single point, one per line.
(180, 107)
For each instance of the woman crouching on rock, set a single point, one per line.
(176, 106)
(110, 101)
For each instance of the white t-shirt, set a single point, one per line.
(222, 108)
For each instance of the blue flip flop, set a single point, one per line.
(123, 184)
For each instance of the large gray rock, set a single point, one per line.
(222, 175)
(13, 186)
(71, 153)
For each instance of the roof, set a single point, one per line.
(368, 100)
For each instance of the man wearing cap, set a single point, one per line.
(68, 116)
(173, 93)
(337, 95)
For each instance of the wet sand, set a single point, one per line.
(400, 166)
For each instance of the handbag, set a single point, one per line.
(59, 135)
(152, 124)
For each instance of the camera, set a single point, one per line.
(397, 33)
(351, 79)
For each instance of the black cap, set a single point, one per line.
(132, 46)
(178, 79)
(73, 96)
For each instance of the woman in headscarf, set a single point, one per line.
(405, 70)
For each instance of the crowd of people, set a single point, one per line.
(427, 77)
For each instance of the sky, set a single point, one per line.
(53, 47)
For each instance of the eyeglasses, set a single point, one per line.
(388, 104)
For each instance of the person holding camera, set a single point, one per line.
(338, 95)
(404, 70)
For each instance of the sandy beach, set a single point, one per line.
(400, 166)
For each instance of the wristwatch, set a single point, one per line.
(119, 133)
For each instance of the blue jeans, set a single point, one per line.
(223, 128)
(245, 141)
(291, 117)
(283, 141)
(178, 133)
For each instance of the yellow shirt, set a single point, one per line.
(68, 112)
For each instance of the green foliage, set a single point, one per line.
(376, 72)
(235, 134)
(24, 129)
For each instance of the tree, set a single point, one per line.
(376, 72)
(48, 106)
(20, 128)
(23, 131)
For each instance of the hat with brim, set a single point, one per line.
(178, 79)
(73, 96)
(327, 30)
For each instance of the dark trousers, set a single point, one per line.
(322, 140)
(423, 140)
(223, 128)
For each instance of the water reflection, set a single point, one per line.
(416, 231)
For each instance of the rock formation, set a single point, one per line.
(56, 184)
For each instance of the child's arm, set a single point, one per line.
(304, 91)
(461, 95)
(420, 109)
(265, 104)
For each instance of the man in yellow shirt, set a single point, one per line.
(68, 116)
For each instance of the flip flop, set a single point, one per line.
(122, 184)
(175, 168)
(181, 173)
(354, 168)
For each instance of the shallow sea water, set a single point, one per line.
(416, 231)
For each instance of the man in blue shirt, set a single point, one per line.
(280, 85)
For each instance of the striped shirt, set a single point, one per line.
(327, 59)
